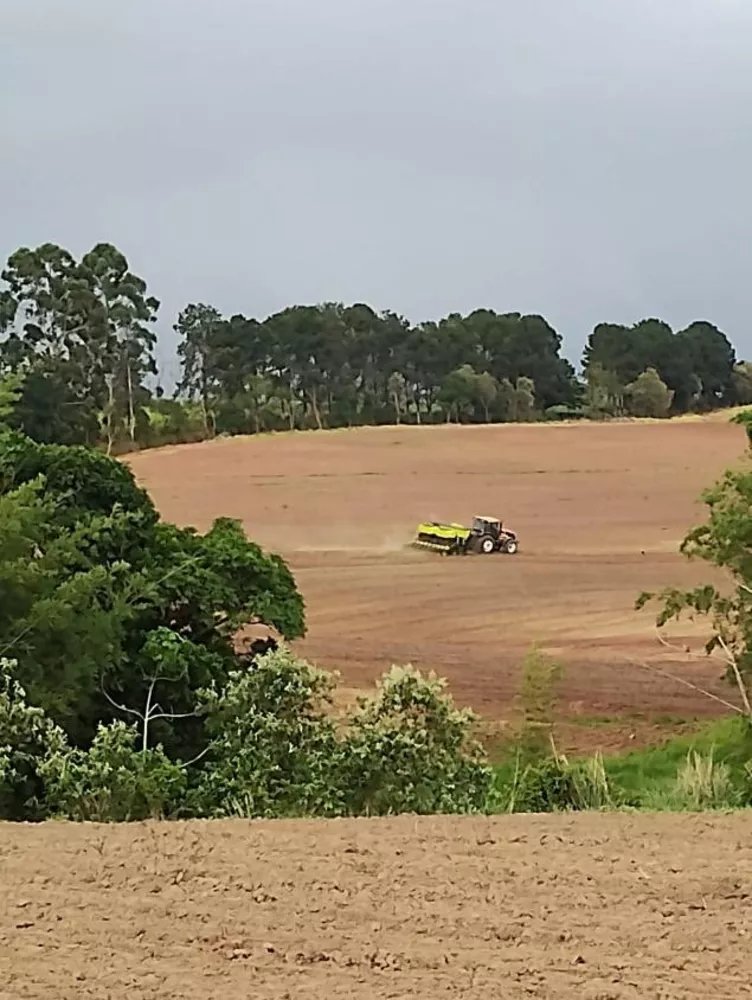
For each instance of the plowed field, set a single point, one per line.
(592, 907)
(600, 510)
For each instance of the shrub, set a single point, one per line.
(649, 396)
(555, 785)
(546, 786)
(409, 749)
(28, 738)
(113, 782)
(274, 748)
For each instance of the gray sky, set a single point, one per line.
(587, 159)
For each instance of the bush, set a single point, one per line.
(649, 396)
(113, 782)
(277, 751)
(555, 785)
(409, 749)
(274, 748)
(28, 738)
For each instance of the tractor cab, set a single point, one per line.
(486, 526)
(488, 534)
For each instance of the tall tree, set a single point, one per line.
(712, 359)
(197, 326)
(122, 314)
(42, 306)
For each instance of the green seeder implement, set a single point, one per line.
(486, 535)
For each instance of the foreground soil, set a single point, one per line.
(613, 907)
(600, 509)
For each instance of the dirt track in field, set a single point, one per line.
(593, 907)
(600, 510)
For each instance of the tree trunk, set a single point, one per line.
(131, 412)
(110, 380)
(205, 408)
(315, 408)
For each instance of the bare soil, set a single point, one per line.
(600, 510)
(593, 907)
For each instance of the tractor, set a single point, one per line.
(485, 536)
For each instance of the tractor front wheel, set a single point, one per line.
(511, 547)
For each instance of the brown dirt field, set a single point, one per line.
(593, 907)
(600, 509)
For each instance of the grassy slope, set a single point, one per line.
(650, 772)
(648, 775)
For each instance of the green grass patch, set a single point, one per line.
(648, 774)
(651, 777)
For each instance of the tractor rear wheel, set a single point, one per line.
(487, 545)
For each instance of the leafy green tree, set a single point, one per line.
(59, 624)
(47, 333)
(524, 398)
(96, 594)
(712, 358)
(649, 396)
(725, 542)
(459, 392)
(44, 304)
(123, 314)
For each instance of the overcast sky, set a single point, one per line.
(587, 159)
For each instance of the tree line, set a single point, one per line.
(78, 336)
